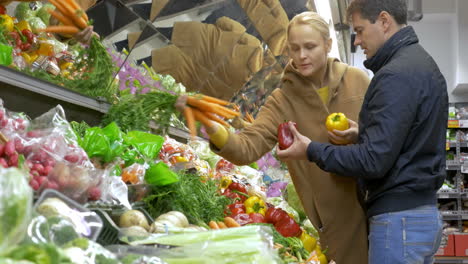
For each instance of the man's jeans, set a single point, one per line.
(406, 237)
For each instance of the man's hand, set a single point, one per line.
(348, 136)
(85, 35)
(298, 150)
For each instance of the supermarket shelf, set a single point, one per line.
(21, 80)
(451, 215)
(452, 165)
(451, 260)
(448, 194)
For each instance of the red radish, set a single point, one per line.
(47, 170)
(4, 123)
(52, 185)
(34, 184)
(33, 134)
(94, 193)
(42, 180)
(3, 163)
(19, 145)
(39, 168)
(73, 158)
(34, 173)
(13, 160)
(10, 148)
(2, 114)
(49, 162)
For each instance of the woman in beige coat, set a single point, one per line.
(313, 86)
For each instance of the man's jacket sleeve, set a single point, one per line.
(390, 110)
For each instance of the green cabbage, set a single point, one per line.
(15, 206)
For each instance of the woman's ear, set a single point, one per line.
(329, 44)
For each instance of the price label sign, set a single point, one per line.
(447, 145)
(463, 123)
(453, 123)
(464, 169)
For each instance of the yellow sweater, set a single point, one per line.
(329, 200)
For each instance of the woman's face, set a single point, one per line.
(308, 49)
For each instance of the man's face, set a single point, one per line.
(369, 36)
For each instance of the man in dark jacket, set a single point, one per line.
(400, 148)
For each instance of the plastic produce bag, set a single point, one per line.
(160, 175)
(247, 244)
(15, 206)
(147, 144)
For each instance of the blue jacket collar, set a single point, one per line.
(404, 37)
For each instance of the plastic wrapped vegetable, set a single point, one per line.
(15, 206)
(26, 10)
(36, 24)
(43, 14)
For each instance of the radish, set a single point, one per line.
(47, 170)
(2, 114)
(73, 158)
(19, 145)
(34, 173)
(52, 185)
(39, 168)
(34, 184)
(42, 180)
(3, 163)
(94, 193)
(13, 160)
(33, 134)
(10, 148)
(4, 123)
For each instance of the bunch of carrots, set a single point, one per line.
(70, 14)
(205, 109)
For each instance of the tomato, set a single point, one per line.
(337, 121)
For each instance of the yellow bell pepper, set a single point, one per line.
(7, 22)
(309, 242)
(65, 65)
(180, 159)
(225, 182)
(23, 24)
(255, 204)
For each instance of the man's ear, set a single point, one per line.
(386, 21)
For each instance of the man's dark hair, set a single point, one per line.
(371, 9)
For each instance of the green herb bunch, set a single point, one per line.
(199, 201)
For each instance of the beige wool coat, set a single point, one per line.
(330, 200)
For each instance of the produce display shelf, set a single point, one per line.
(448, 194)
(30, 83)
(451, 260)
(452, 165)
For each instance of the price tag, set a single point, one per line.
(464, 169)
(453, 123)
(447, 145)
(463, 123)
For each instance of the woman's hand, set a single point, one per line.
(84, 36)
(348, 136)
(298, 149)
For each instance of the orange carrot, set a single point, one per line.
(221, 225)
(201, 105)
(59, 7)
(217, 119)
(78, 9)
(61, 29)
(230, 222)
(202, 118)
(214, 100)
(213, 225)
(190, 119)
(65, 20)
(227, 110)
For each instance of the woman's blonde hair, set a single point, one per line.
(312, 19)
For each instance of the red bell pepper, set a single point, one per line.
(274, 215)
(287, 227)
(285, 137)
(257, 218)
(2, 10)
(243, 219)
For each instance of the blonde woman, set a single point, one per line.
(313, 86)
